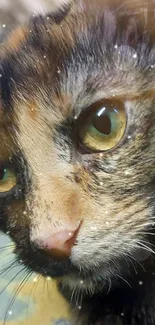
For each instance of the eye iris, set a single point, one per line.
(7, 179)
(103, 125)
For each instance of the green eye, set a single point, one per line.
(103, 125)
(8, 179)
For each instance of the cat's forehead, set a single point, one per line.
(84, 56)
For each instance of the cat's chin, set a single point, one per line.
(87, 285)
(96, 280)
(71, 273)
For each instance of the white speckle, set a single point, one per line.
(8, 232)
(47, 30)
(21, 261)
(24, 212)
(93, 228)
(135, 56)
(107, 223)
(10, 312)
(129, 136)
(41, 174)
(127, 172)
(0, 75)
(75, 117)
(116, 46)
(81, 282)
(140, 283)
(101, 155)
(70, 234)
(79, 307)
(3, 25)
(113, 95)
(151, 67)
(122, 314)
(30, 31)
(58, 71)
(101, 183)
(44, 56)
(35, 280)
(47, 18)
(33, 15)
(153, 273)
(61, 25)
(48, 278)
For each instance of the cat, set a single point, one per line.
(77, 155)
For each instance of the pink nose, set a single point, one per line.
(60, 244)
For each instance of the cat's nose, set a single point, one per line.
(59, 245)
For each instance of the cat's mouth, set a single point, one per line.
(47, 266)
(43, 264)
(64, 269)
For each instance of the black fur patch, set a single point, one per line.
(5, 85)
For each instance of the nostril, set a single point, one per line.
(72, 240)
(59, 245)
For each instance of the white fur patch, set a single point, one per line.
(45, 6)
(15, 12)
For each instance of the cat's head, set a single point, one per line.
(77, 149)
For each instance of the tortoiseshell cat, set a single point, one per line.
(77, 155)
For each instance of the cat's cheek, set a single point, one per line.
(17, 220)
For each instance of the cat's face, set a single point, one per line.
(77, 137)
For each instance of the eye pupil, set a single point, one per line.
(102, 123)
(2, 172)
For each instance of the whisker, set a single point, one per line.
(124, 280)
(137, 262)
(6, 247)
(33, 286)
(110, 285)
(146, 233)
(38, 277)
(132, 262)
(49, 279)
(7, 269)
(77, 296)
(6, 255)
(116, 265)
(144, 225)
(12, 280)
(80, 298)
(73, 292)
(148, 249)
(47, 288)
(15, 295)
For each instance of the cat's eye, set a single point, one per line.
(8, 179)
(102, 125)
